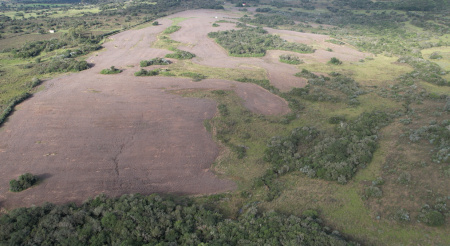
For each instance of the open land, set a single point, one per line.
(88, 133)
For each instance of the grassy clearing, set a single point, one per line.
(177, 20)
(444, 62)
(217, 73)
(381, 69)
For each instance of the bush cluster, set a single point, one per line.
(317, 85)
(144, 72)
(328, 155)
(254, 42)
(111, 70)
(335, 61)
(61, 65)
(268, 20)
(291, 59)
(152, 220)
(181, 55)
(155, 61)
(24, 182)
(424, 70)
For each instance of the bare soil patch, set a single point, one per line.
(88, 133)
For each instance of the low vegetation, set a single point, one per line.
(180, 55)
(154, 61)
(291, 59)
(111, 70)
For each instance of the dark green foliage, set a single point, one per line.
(152, 220)
(253, 42)
(263, 10)
(329, 155)
(373, 191)
(155, 61)
(24, 182)
(111, 70)
(319, 88)
(215, 25)
(306, 74)
(144, 72)
(61, 65)
(424, 70)
(434, 218)
(223, 110)
(10, 107)
(35, 48)
(155, 23)
(268, 20)
(335, 61)
(180, 55)
(291, 59)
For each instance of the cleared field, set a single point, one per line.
(87, 133)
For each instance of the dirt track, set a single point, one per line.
(87, 133)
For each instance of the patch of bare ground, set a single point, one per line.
(88, 133)
(194, 32)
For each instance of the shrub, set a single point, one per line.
(24, 182)
(155, 61)
(431, 217)
(373, 191)
(111, 70)
(402, 215)
(291, 59)
(215, 25)
(144, 72)
(61, 65)
(335, 61)
(404, 178)
(181, 55)
(436, 55)
(155, 23)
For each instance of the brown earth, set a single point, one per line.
(88, 133)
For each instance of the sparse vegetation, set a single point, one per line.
(111, 70)
(291, 59)
(181, 55)
(155, 61)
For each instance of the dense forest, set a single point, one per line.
(155, 220)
